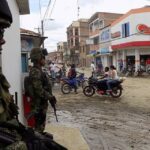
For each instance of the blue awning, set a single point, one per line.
(104, 51)
(91, 53)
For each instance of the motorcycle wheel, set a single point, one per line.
(84, 84)
(88, 91)
(65, 88)
(116, 92)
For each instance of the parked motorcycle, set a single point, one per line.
(100, 87)
(130, 70)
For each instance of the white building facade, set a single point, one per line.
(130, 37)
(105, 51)
(11, 54)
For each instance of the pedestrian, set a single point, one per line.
(120, 65)
(64, 70)
(42, 89)
(52, 70)
(100, 67)
(93, 69)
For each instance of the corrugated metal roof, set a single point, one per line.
(28, 32)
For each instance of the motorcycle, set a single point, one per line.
(67, 84)
(100, 87)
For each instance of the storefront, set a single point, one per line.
(130, 37)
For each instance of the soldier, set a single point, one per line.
(8, 110)
(14, 135)
(42, 89)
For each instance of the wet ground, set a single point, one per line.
(107, 123)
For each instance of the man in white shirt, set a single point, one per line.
(52, 70)
(93, 69)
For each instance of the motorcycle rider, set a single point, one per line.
(112, 78)
(72, 75)
(106, 74)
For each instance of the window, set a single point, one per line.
(24, 62)
(105, 35)
(125, 30)
(77, 42)
(76, 31)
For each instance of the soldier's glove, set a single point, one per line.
(53, 101)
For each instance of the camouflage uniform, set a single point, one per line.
(7, 112)
(14, 135)
(42, 89)
(7, 115)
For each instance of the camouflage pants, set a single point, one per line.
(20, 145)
(40, 120)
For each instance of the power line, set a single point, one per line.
(52, 9)
(40, 7)
(46, 12)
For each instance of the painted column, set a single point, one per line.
(124, 54)
(117, 60)
(137, 59)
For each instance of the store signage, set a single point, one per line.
(116, 34)
(144, 29)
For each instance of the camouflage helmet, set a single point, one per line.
(5, 14)
(37, 53)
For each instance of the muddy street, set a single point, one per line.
(107, 123)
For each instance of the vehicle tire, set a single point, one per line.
(88, 91)
(65, 88)
(84, 84)
(116, 92)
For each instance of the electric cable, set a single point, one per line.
(52, 9)
(47, 9)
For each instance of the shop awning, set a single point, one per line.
(104, 51)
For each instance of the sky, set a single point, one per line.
(62, 13)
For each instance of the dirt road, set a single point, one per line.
(107, 123)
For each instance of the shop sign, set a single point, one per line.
(144, 29)
(116, 34)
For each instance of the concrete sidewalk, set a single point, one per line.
(70, 138)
